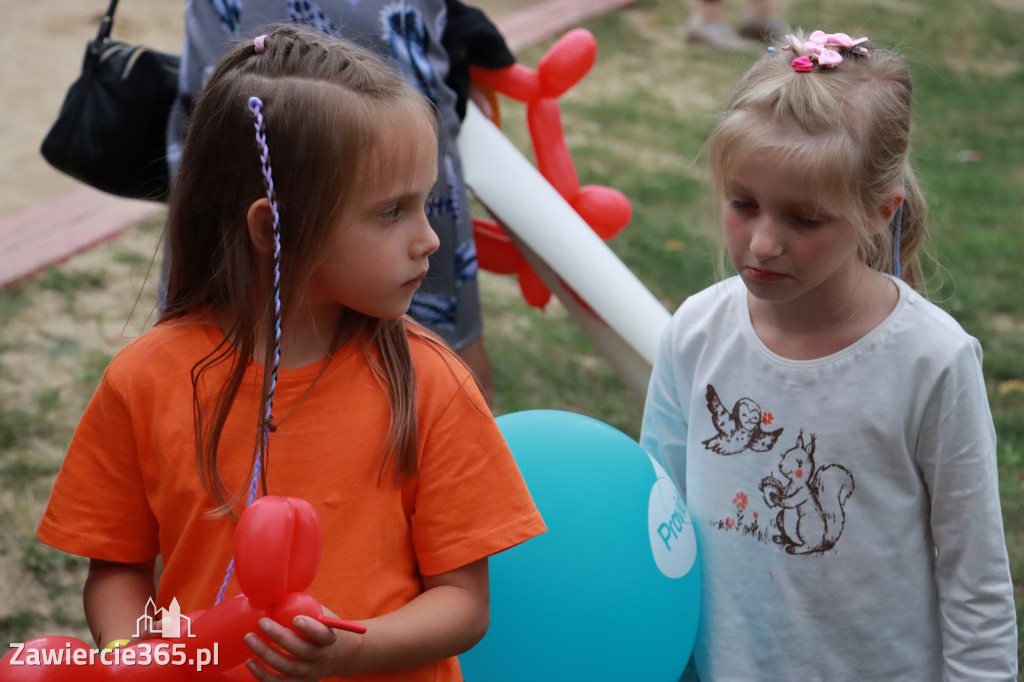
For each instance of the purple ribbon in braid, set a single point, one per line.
(267, 425)
(256, 107)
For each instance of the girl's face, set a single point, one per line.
(781, 239)
(377, 252)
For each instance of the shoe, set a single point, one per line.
(717, 35)
(767, 29)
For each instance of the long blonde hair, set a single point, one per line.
(327, 104)
(849, 123)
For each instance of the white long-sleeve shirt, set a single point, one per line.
(846, 508)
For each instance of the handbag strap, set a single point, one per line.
(106, 24)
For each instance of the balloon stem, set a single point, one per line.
(339, 624)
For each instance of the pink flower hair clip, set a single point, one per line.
(818, 47)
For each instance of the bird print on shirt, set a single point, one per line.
(739, 429)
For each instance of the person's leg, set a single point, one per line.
(708, 27)
(475, 355)
(711, 11)
(761, 22)
(760, 8)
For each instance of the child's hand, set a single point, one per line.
(312, 653)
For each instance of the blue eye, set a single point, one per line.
(392, 213)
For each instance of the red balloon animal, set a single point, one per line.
(272, 526)
(604, 209)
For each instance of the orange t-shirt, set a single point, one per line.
(129, 489)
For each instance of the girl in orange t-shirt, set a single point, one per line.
(298, 235)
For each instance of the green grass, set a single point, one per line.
(636, 123)
(58, 331)
(12, 301)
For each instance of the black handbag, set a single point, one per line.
(111, 132)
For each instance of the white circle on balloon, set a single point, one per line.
(673, 542)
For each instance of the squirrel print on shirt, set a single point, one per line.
(738, 430)
(810, 501)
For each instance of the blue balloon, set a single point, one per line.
(612, 590)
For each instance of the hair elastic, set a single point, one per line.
(802, 64)
(267, 424)
(258, 43)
